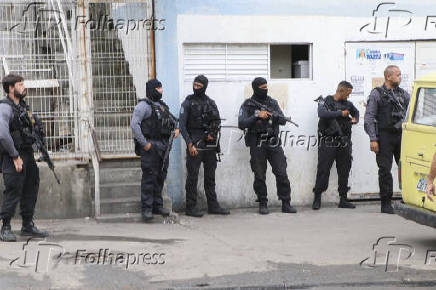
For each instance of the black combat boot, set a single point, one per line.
(217, 209)
(316, 201)
(6, 234)
(263, 208)
(287, 208)
(386, 206)
(147, 216)
(30, 230)
(161, 211)
(344, 203)
(194, 212)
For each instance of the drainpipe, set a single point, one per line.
(153, 43)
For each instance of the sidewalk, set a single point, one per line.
(320, 249)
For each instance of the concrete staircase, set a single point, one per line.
(120, 192)
(113, 89)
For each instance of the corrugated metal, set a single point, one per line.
(224, 62)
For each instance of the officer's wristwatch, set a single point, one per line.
(256, 114)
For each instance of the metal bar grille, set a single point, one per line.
(35, 42)
(31, 47)
(119, 63)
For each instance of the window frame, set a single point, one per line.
(310, 78)
(417, 99)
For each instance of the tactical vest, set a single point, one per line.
(385, 109)
(262, 127)
(20, 127)
(203, 117)
(160, 123)
(344, 122)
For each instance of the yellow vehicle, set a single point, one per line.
(417, 150)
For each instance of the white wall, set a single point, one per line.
(328, 35)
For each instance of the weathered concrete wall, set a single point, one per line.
(70, 199)
(278, 21)
(234, 177)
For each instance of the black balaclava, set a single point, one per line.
(259, 94)
(152, 93)
(202, 80)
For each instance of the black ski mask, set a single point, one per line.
(202, 80)
(152, 93)
(259, 93)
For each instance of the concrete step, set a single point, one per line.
(100, 35)
(120, 205)
(114, 176)
(125, 103)
(118, 190)
(133, 163)
(113, 81)
(173, 218)
(120, 218)
(110, 66)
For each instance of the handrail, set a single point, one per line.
(95, 153)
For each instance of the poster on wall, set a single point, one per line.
(366, 61)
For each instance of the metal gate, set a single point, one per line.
(83, 69)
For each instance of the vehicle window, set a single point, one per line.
(425, 110)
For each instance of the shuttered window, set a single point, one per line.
(226, 62)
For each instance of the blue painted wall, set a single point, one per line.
(166, 43)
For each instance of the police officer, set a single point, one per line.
(20, 172)
(200, 125)
(152, 125)
(336, 116)
(262, 137)
(385, 112)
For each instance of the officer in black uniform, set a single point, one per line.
(152, 124)
(385, 112)
(20, 172)
(262, 137)
(336, 116)
(200, 127)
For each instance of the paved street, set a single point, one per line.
(310, 250)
